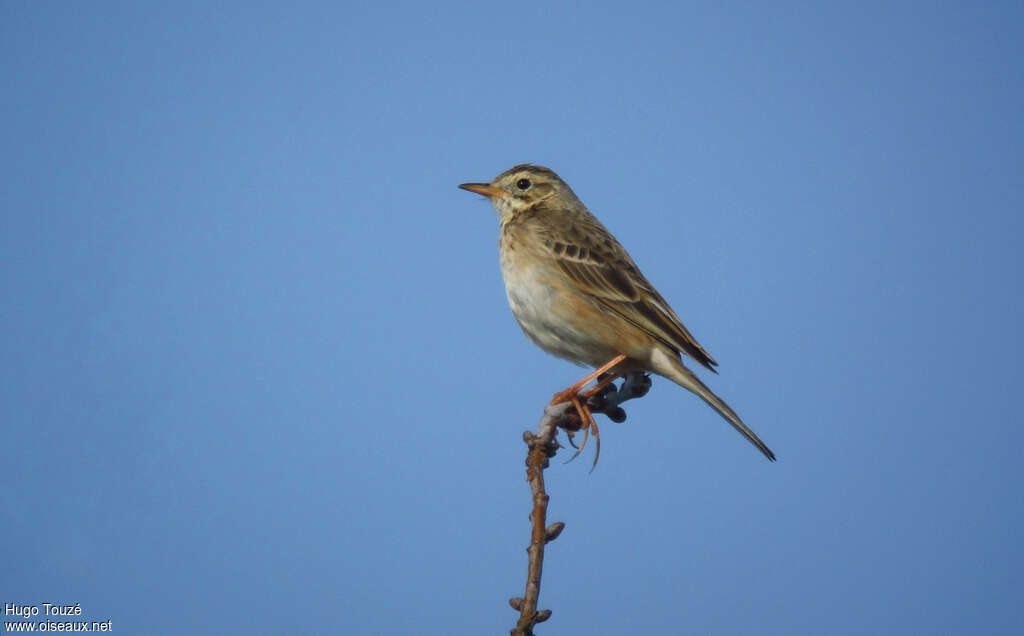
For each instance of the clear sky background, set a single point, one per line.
(259, 373)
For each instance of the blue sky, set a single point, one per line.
(260, 375)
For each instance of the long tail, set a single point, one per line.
(672, 368)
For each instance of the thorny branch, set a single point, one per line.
(542, 446)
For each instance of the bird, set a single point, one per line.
(577, 294)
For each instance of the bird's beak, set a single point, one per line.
(484, 189)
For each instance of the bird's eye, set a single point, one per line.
(523, 184)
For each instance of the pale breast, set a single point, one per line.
(556, 320)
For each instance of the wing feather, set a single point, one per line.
(618, 285)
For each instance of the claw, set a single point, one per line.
(579, 400)
(597, 439)
(571, 435)
(587, 418)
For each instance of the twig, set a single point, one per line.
(542, 446)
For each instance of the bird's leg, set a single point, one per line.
(587, 422)
(568, 394)
(603, 382)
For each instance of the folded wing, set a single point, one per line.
(609, 276)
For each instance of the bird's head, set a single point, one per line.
(520, 188)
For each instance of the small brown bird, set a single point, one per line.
(577, 294)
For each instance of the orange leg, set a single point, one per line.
(587, 420)
(586, 417)
(568, 394)
(600, 385)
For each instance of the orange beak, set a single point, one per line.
(484, 189)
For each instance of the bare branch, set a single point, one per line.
(542, 446)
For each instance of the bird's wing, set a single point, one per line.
(602, 269)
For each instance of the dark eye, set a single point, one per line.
(523, 184)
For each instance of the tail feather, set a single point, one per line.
(672, 368)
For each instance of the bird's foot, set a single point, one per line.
(574, 390)
(580, 402)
